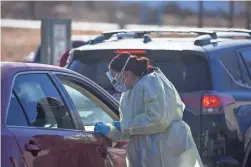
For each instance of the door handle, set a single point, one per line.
(32, 148)
(102, 150)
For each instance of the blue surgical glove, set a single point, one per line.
(101, 128)
(117, 125)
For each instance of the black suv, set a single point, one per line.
(211, 71)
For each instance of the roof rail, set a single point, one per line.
(222, 33)
(232, 33)
(141, 32)
(240, 30)
(232, 30)
(206, 34)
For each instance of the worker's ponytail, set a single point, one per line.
(137, 65)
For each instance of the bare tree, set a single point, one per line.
(248, 8)
(90, 4)
(32, 6)
(231, 14)
(200, 16)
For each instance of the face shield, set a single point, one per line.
(115, 78)
(109, 75)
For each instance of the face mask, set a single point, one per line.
(119, 86)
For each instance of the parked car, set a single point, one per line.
(212, 73)
(77, 41)
(48, 115)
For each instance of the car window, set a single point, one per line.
(246, 79)
(93, 69)
(41, 101)
(230, 61)
(89, 107)
(16, 115)
(180, 68)
(246, 54)
(187, 72)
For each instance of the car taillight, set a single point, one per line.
(214, 104)
(210, 103)
(69, 59)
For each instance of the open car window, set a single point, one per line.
(90, 108)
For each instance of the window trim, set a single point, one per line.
(100, 104)
(48, 73)
(22, 108)
(66, 101)
(43, 128)
(236, 54)
(85, 84)
(89, 84)
(241, 58)
(230, 53)
(231, 76)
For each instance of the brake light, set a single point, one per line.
(132, 51)
(214, 104)
(211, 101)
(70, 56)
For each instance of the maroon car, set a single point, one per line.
(48, 117)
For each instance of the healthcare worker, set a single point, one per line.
(150, 116)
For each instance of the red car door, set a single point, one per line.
(50, 136)
(92, 106)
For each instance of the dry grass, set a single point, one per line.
(17, 43)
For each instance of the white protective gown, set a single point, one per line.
(151, 119)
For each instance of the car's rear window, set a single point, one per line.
(188, 72)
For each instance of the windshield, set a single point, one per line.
(187, 72)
